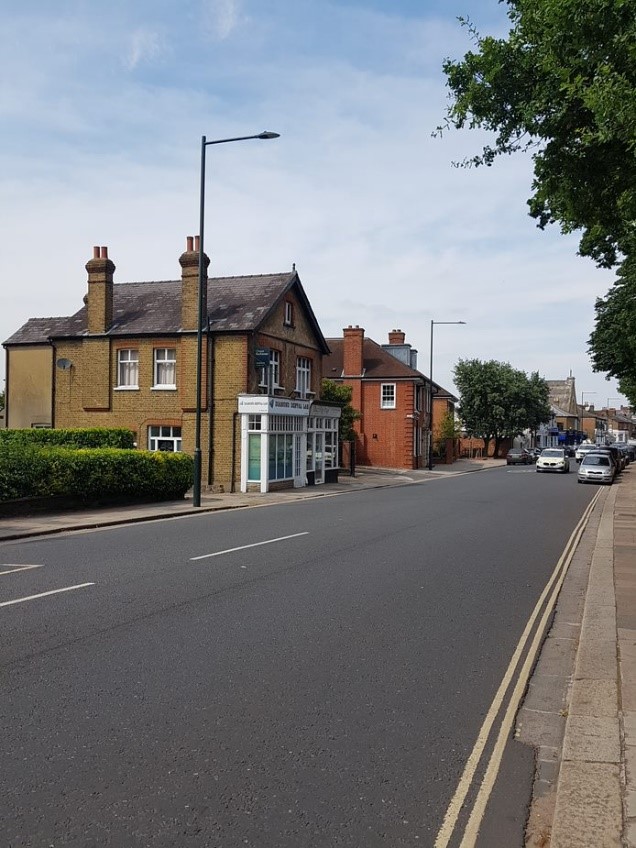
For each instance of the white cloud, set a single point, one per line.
(144, 45)
(221, 17)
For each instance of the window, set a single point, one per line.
(387, 398)
(289, 313)
(274, 369)
(127, 369)
(281, 452)
(165, 368)
(161, 438)
(303, 375)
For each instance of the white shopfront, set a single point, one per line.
(286, 442)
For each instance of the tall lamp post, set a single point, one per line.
(196, 495)
(430, 393)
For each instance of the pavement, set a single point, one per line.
(592, 787)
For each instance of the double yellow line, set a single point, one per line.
(552, 588)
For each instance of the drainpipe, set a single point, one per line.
(211, 405)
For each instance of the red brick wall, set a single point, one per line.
(385, 437)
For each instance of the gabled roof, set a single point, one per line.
(378, 364)
(563, 395)
(235, 304)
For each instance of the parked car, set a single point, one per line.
(553, 459)
(584, 448)
(518, 456)
(597, 467)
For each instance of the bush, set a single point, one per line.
(93, 475)
(84, 437)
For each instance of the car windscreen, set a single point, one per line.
(595, 459)
(554, 452)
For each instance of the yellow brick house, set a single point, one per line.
(127, 358)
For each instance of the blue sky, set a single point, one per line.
(103, 107)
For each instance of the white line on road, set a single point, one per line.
(255, 545)
(456, 805)
(12, 566)
(44, 594)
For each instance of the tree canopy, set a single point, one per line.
(341, 394)
(613, 341)
(498, 401)
(562, 85)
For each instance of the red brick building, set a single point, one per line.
(390, 394)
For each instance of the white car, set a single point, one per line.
(553, 459)
(586, 447)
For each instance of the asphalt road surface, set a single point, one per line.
(309, 674)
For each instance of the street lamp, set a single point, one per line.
(430, 393)
(583, 396)
(196, 495)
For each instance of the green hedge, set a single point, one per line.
(85, 437)
(93, 475)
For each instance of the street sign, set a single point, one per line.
(262, 357)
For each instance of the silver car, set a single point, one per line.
(596, 468)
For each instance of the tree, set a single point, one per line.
(612, 345)
(2, 399)
(497, 401)
(341, 394)
(448, 429)
(562, 85)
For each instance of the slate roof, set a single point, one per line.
(235, 304)
(378, 363)
(563, 395)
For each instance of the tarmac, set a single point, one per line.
(593, 789)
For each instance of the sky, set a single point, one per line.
(103, 106)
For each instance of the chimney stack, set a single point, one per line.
(100, 291)
(189, 262)
(353, 356)
(396, 337)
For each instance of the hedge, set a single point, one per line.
(85, 437)
(93, 475)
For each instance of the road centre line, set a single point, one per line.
(44, 594)
(455, 807)
(12, 566)
(254, 545)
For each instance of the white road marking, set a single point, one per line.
(44, 594)
(12, 566)
(456, 805)
(254, 545)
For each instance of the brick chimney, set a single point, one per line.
(396, 337)
(100, 291)
(353, 357)
(189, 262)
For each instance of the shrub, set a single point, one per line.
(93, 475)
(81, 437)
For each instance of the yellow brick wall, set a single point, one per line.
(230, 380)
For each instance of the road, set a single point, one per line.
(309, 674)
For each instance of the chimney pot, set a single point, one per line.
(189, 243)
(104, 253)
(197, 241)
(96, 252)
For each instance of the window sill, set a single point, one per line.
(164, 388)
(126, 388)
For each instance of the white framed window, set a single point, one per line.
(387, 396)
(164, 438)
(274, 370)
(127, 368)
(303, 375)
(165, 368)
(289, 314)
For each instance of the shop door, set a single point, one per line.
(319, 457)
